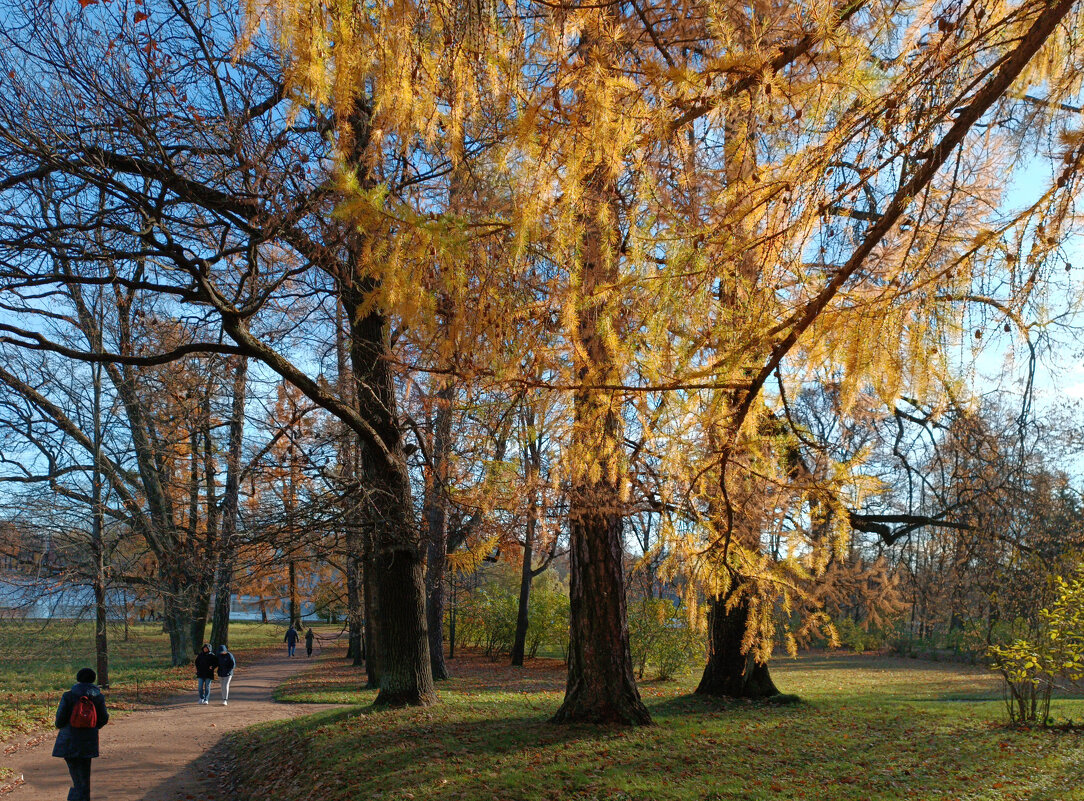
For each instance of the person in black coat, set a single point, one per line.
(77, 746)
(206, 663)
(309, 637)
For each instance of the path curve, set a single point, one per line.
(162, 753)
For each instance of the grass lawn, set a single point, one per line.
(868, 728)
(39, 659)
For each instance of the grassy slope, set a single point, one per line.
(38, 662)
(868, 728)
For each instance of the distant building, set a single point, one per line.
(34, 582)
(39, 582)
(253, 607)
(40, 598)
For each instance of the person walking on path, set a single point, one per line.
(226, 664)
(80, 714)
(291, 640)
(205, 673)
(308, 641)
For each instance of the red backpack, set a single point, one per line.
(84, 715)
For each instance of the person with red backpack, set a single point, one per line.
(80, 714)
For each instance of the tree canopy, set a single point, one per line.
(658, 227)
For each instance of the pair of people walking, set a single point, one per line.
(206, 665)
(291, 641)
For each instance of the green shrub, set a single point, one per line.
(1032, 667)
(547, 616)
(661, 637)
(486, 618)
(854, 637)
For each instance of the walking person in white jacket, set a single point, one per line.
(226, 664)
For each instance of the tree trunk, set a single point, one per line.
(220, 625)
(601, 686)
(201, 587)
(519, 644)
(354, 612)
(435, 507)
(402, 642)
(209, 564)
(434, 609)
(201, 608)
(451, 621)
(729, 671)
(220, 616)
(398, 584)
(290, 499)
(351, 498)
(101, 632)
(405, 672)
(176, 621)
(164, 536)
(372, 634)
(436, 519)
(295, 597)
(398, 588)
(532, 464)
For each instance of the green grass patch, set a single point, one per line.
(39, 661)
(867, 728)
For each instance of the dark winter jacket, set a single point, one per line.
(226, 662)
(291, 636)
(78, 743)
(308, 638)
(205, 665)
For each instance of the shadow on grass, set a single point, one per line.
(693, 704)
(471, 674)
(699, 747)
(848, 661)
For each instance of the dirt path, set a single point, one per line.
(165, 753)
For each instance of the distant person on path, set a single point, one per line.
(226, 664)
(308, 641)
(205, 673)
(291, 640)
(80, 714)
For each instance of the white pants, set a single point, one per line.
(225, 682)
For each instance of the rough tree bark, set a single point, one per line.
(371, 640)
(351, 498)
(601, 685)
(220, 621)
(532, 460)
(526, 575)
(435, 566)
(208, 571)
(177, 615)
(397, 562)
(101, 631)
(436, 518)
(355, 615)
(729, 671)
